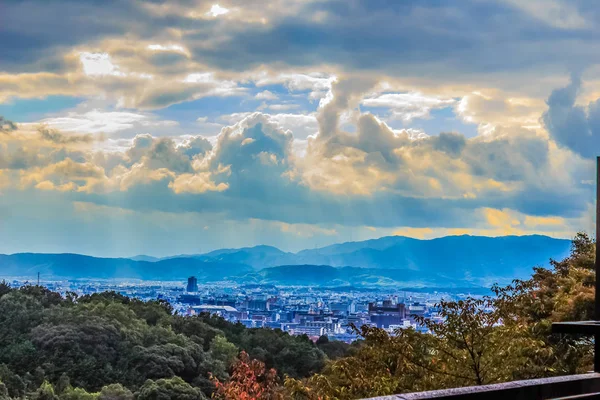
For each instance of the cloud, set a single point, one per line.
(177, 48)
(6, 125)
(59, 138)
(65, 175)
(266, 95)
(98, 124)
(171, 41)
(282, 107)
(302, 125)
(38, 85)
(314, 163)
(196, 146)
(217, 10)
(494, 109)
(98, 64)
(317, 84)
(556, 13)
(196, 183)
(573, 126)
(127, 72)
(371, 175)
(97, 121)
(407, 106)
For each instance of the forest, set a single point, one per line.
(108, 346)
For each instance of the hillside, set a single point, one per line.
(485, 259)
(323, 275)
(80, 266)
(394, 260)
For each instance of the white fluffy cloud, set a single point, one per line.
(97, 121)
(407, 106)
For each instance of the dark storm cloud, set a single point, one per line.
(573, 126)
(427, 37)
(407, 37)
(34, 33)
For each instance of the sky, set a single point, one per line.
(178, 127)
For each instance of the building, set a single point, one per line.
(227, 312)
(387, 314)
(308, 330)
(258, 304)
(340, 308)
(190, 299)
(328, 326)
(192, 285)
(417, 309)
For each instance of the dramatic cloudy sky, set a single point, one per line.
(167, 127)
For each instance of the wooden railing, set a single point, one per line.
(584, 386)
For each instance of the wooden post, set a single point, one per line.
(597, 268)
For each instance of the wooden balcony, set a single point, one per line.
(584, 386)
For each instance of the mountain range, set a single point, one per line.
(452, 261)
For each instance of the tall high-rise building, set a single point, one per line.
(192, 285)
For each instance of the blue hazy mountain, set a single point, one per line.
(394, 260)
(458, 257)
(143, 257)
(324, 275)
(80, 266)
(258, 256)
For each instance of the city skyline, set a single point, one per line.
(179, 127)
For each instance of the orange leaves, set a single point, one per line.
(250, 380)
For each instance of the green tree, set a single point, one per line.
(474, 341)
(334, 349)
(13, 383)
(4, 288)
(71, 393)
(63, 383)
(564, 292)
(169, 389)
(223, 350)
(223, 354)
(474, 345)
(45, 392)
(3, 392)
(115, 391)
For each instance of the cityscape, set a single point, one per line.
(298, 310)
(299, 199)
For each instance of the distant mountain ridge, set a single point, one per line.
(80, 266)
(459, 257)
(392, 260)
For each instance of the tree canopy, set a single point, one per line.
(98, 345)
(498, 338)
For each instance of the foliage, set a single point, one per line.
(45, 392)
(250, 380)
(81, 345)
(335, 349)
(115, 391)
(71, 393)
(473, 341)
(169, 389)
(224, 353)
(3, 392)
(563, 293)
(107, 346)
